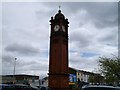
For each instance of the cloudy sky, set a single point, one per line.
(93, 32)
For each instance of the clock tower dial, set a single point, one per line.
(63, 28)
(56, 27)
(58, 55)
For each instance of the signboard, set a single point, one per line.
(72, 78)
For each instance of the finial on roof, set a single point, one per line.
(59, 15)
(59, 11)
(59, 7)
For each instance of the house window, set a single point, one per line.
(81, 74)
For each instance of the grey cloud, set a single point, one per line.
(22, 49)
(103, 22)
(35, 27)
(84, 63)
(80, 39)
(33, 66)
(109, 39)
(7, 63)
(102, 14)
(108, 36)
(28, 66)
(39, 66)
(7, 58)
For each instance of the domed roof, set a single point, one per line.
(59, 15)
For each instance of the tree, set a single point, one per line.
(110, 68)
(95, 78)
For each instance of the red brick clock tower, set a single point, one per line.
(58, 63)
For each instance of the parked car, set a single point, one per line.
(34, 87)
(22, 87)
(99, 87)
(6, 87)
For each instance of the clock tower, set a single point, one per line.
(58, 56)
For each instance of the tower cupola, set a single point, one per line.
(59, 15)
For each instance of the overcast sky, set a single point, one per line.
(93, 32)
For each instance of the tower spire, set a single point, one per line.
(59, 7)
(59, 11)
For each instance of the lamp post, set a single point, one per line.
(14, 70)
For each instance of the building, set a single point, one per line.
(44, 81)
(58, 57)
(76, 75)
(72, 76)
(6, 79)
(87, 77)
(20, 78)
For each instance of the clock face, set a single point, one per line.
(63, 28)
(56, 28)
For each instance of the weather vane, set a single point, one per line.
(59, 7)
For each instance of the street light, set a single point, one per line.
(14, 70)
